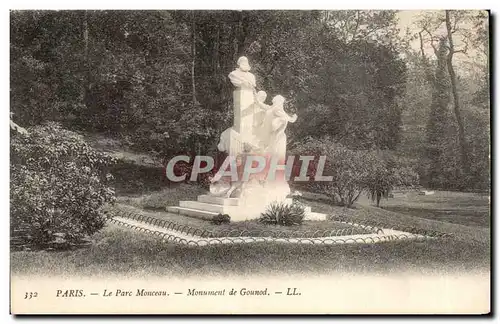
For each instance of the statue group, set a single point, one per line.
(258, 129)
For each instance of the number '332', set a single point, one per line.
(29, 295)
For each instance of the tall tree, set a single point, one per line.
(451, 28)
(193, 56)
(460, 29)
(438, 119)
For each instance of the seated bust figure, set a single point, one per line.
(240, 77)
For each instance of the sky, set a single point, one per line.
(408, 19)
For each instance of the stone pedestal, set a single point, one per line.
(206, 206)
(243, 113)
(239, 209)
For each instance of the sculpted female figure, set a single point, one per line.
(259, 116)
(272, 131)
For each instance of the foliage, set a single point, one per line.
(478, 137)
(134, 73)
(283, 214)
(439, 120)
(386, 174)
(354, 102)
(58, 185)
(221, 219)
(158, 80)
(450, 156)
(345, 166)
(354, 171)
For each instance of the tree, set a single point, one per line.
(480, 41)
(459, 29)
(355, 25)
(438, 119)
(450, 30)
(46, 60)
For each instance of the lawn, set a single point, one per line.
(403, 212)
(153, 204)
(160, 199)
(122, 251)
(470, 209)
(464, 208)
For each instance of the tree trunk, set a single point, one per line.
(86, 80)
(237, 37)
(243, 30)
(456, 101)
(215, 62)
(429, 75)
(193, 57)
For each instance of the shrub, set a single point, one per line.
(220, 219)
(387, 173)
(354, 171)
(58, 185)
(347, 168)
(283, 214)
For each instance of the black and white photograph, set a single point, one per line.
(250, 161)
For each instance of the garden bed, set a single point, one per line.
(251, 228)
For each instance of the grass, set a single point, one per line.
(469, 209)
(427, 220)
(160, 199)
(121, 251)
(463, 208)
(135, 180)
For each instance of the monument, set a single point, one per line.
(258, 131)
(243, 99)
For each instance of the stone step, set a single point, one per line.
(207, 211)
(205, 206)
(218, 200)
(195, 213)
(312, 216)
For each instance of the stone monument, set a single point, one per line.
(243, 98)
(258, 130)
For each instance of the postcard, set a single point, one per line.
(250, 162)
